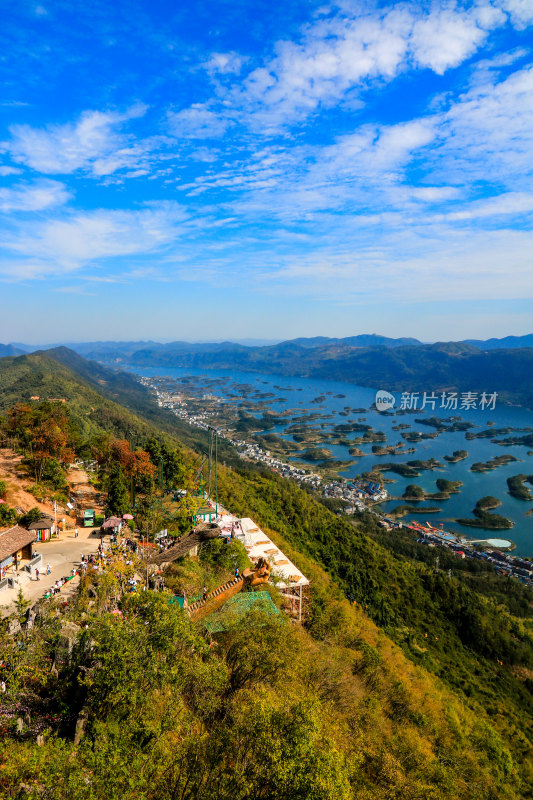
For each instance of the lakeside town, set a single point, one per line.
(354, 492)
(360, 495)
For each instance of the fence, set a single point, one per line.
(33, 563)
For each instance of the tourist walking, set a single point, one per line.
(48, 569)
(37, 574)
(75, 533)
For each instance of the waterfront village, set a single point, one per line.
(356, 492)
(361, 495)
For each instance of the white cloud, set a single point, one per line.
(66, 244)
(4, 171)
(492, 124)
(508, 204)
(33, 197)
(197, 122)
(89, 143)
(520, 11)
(433, 194)
(444, 39)
(224, 63)
(337, 55)
(411, 266)
(334, 56)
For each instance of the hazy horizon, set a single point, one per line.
(251, 342)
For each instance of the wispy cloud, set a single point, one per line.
(343, 50)
(197, 122)
(33, 197)
(93, 143)
(7, 170)
(224, 63)
(76, 240)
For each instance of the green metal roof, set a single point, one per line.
(237, 607)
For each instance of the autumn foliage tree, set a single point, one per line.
(43, 431)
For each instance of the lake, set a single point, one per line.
(298, 393)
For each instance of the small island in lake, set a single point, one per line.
(411, 469)
(517, 488)
(414, 493)
(487, 466)
(316, 454)
(450, 425)
(457, 455)
(484, 519)
(388, 449)
(418, 436)
(402, 510)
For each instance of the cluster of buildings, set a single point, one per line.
(252, 451)
(357, 493)
(174, 402)
(503, 563)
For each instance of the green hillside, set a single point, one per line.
(99, 399)
(419, 685)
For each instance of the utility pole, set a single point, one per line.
(437, 561)
(213, 446)
(146, 559)
(216, 473)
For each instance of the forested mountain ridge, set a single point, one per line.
(433, 367)
(97, 395)
(444, 365)
(432, 716)
(402, 365)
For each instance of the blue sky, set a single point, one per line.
(235, 170)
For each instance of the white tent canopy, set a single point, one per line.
(284, 573)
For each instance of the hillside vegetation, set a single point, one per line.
(403, 682)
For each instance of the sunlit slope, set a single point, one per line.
(448, 633)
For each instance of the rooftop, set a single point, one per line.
(13, 539)
(284, 573)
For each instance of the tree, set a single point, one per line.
(22, 606)
(30, 516)
(118, 498)
(412, 490)
(182, 517)
(8, 516)
(150, 515)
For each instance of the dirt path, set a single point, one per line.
(83, 490)
(19, 485)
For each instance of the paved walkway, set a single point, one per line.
(62, 554)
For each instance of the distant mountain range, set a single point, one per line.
(508, 342)
(10, 350)
(123, 350)
(363, 340)
(498, 365)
